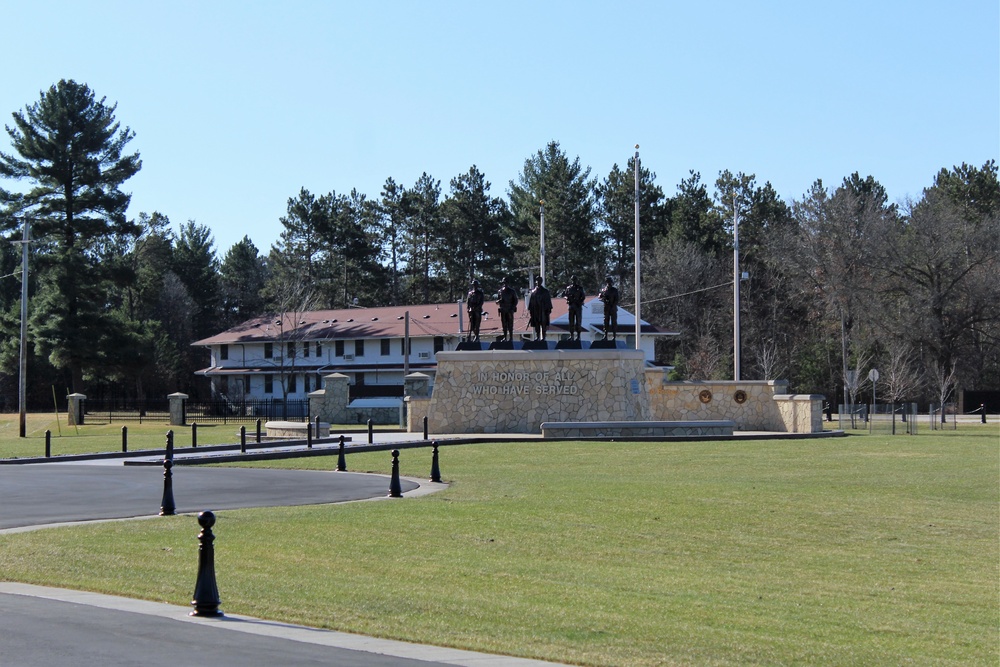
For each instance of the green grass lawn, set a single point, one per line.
(97, 435)
(846, 551)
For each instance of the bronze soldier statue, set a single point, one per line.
(609, 295)
(474, 304)
(575, 296)
(507, 305)
(539, 308)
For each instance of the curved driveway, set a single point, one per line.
(34, 495)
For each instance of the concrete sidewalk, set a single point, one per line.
(50, 627)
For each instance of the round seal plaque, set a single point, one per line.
(705, 396)
(740, 396)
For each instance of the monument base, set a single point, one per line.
(501, 391)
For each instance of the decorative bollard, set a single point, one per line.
(395, 490)
(425, 427)
(317, 427)
(170, 446)
(258, 431)
(309, 435)
(243, 438)
(371, 432)
(48, 443)
(194, 435)
(341, 462)
(167, 506)
(206, 592)
(124, 439)
(435, 469)
(982, 412)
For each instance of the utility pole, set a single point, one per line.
(22, 390)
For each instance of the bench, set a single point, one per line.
(622, 429)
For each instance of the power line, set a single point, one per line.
(677, 296)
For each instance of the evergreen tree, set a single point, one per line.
(572, 244)
(70, 149)
(242, 275)
(476, 227)
(198, 268)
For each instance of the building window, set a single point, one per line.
(268, 384)
(305, 349)
(268, 350)
(246, 384)
(359, 347)
(319, 349)
(438, 344)
(403, 346)
(291, 383)
(223, 352)
(305, 383)
(339, 348)
(359, 379)
(385, 347)
(291, 349)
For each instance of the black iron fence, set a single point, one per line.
(247, 410)
(126, 410)
(203, 412)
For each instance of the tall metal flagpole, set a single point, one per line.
(736, 292)
(22, 390)
(541, 242)
(638, 301)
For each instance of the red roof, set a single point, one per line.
(441, 319)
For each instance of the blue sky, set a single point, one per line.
(238, 105)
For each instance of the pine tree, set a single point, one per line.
(70, 149)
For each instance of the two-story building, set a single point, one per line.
(287, 356)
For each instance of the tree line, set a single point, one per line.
(840, 279)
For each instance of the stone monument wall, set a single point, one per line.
(505, 391)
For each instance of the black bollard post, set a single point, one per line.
(194, 435)
(317, 427)
(341, 462)
(425, 427)
(167, 505)
(309, 435)
(243, 439)
(170, 446)
(435, 469)
(258, 431)
(395, 491)
(124, 439)
(982, 413)
(48, 443)
(206, 591)
(371, 432)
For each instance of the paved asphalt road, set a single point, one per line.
(43, 494)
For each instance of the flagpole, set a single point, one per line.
(736, 292)
(638, 301)
(541, 241)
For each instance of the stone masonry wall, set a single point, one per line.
(750, 404)
(506, 391)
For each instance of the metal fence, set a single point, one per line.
(203, 412)
(126, 410)
(893, 419)
(269, 409)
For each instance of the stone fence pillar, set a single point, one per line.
(330, 403)
(417, 385)
(178, 416)
(75, 409)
